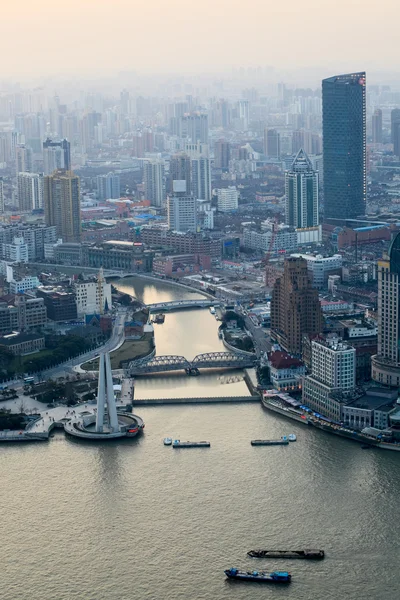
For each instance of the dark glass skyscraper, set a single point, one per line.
(344, 145)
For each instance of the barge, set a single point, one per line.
(282, 442)
(179, 444)
(305, 554)
(259, 576)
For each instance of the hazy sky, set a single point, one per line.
(46, 36)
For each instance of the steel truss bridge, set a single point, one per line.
(180, 304)
(208, 360)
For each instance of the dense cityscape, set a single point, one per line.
(199, 302)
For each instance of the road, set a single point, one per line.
(115, 341)
(261, 340)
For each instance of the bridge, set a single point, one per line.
(208, 360)
(180, 304)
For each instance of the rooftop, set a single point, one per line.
(283, 360)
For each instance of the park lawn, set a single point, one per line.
(130, 350)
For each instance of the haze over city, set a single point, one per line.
(97, 37)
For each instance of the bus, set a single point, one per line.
(29, 380)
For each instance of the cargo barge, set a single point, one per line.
(305, 554)
(274, 577)
(179, 444)
(282, 442)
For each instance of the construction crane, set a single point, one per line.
(270, 271)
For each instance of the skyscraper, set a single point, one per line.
(180, 168)
(295, 306)
(377, 127)
(195, 127)
(222, 154)
(23, 159)
(181, 209)
(154, 188)
(386, 364)
(108, 187)
(301, 190)
(394, 118)
(56, 155)
(30, 191)
(344, 145)
(201, 178)
(62, 204)
(1, 196)
(272, 145)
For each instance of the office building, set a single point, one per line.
(56, 155)
(321, 267)
(301, 191)
(285, 240)
(180, 169)
(272, 143)
(92, 297)
(154, 187)
(60, 305)
(23, 159)
(228, 199)
(222, 155)
(295, 307)
(17, 251)
(195, 127)
(201, 178)
(108, 187)
(395, 130)
(386, 363)
(333, 375)
(22, 284)
(30, 191)
(344, 145)
(1, 196)
(377, 127)
(181, 209)
(62, 204)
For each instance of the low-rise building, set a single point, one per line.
(371, 409)
(29, 282)
(92, 297)
(120, 256)
(286, 372)
(23, 343)
(61, 305)
(180, 265)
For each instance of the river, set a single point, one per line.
(184, 333)
(138, 520)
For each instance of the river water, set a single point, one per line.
(184, 333)
(138, 520)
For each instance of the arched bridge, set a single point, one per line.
(180, 304)
(209, 360)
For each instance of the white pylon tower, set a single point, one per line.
(105, 396)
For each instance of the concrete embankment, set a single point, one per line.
(213, 400)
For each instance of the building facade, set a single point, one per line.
(108, 187)
(386, 363)
(228, 199)
(344, 145)
(30, 191)
(154, 187)
(62, 204)
(295, 307)
(92, 297)
(301, 193)
(182, 212)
